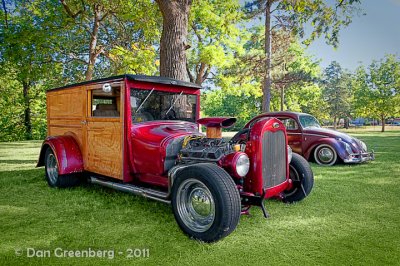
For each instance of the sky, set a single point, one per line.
(367, 38)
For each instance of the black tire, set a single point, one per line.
(51, 172)
(325, 155)
(218, 193)
(302, 177)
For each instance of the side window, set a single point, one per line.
(106, 104)
(289, 123)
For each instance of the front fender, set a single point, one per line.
(334, 143)
(67, 152)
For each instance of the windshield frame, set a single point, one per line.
(302, 122)
(177, 91)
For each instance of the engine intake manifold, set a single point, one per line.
(215, 124)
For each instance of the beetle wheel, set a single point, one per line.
(325, 155)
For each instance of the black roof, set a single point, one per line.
(144, 78)
(286, 112)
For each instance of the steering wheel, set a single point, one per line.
(171, 115)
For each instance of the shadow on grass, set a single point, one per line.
(33, 162)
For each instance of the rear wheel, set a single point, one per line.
(325, 155)
(205, 202)
(54, 179)
(302, 179)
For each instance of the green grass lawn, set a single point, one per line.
(352, 217)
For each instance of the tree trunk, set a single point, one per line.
(334, 122)
(5, 13)
(27, 110)
(201, 74)
(173, 42)
(383, 123)
(346, 123)
(93, 54)
(267, 83)
(282, 97)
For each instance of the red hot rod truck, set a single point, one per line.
(139, 134)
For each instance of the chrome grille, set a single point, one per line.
(273, 158)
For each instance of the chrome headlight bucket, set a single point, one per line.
(348, 147)
(363, 146)
(242, 165)
(289, 153)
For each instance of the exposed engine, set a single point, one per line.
(200, 148)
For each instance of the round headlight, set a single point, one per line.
(242, 165)
(363, 145)
(348, 148)
(289, 154)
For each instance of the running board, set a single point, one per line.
(139, 191)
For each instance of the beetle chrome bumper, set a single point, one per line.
(360, 157)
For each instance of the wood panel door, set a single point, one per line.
(104, 131)
(65, 113)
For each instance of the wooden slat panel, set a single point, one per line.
(104, 150)
(65, 112)
(100, 140)
(66, 103)
(62, 130)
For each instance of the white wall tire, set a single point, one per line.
(325, 155)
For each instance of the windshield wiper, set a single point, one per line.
(148, 95)
(172, 105)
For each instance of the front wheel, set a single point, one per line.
(205, 202)
(325, 155)
(302, 179)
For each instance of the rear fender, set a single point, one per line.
(334, 143)
(67, 152)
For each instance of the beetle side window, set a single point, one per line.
(106, 104)
(289, 123)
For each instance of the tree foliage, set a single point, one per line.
(46, 44)
(104, 37)
(337, 92)
(214, 38)
(240, 91)
(377, 90)
(291, 16)
(27, 47)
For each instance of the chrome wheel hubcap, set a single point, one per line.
(325, 155)
(195, 205)
(52, 168)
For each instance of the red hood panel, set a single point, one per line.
(149, 142)
(157, 131)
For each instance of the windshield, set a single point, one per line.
(148, 105)
(308, 121)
